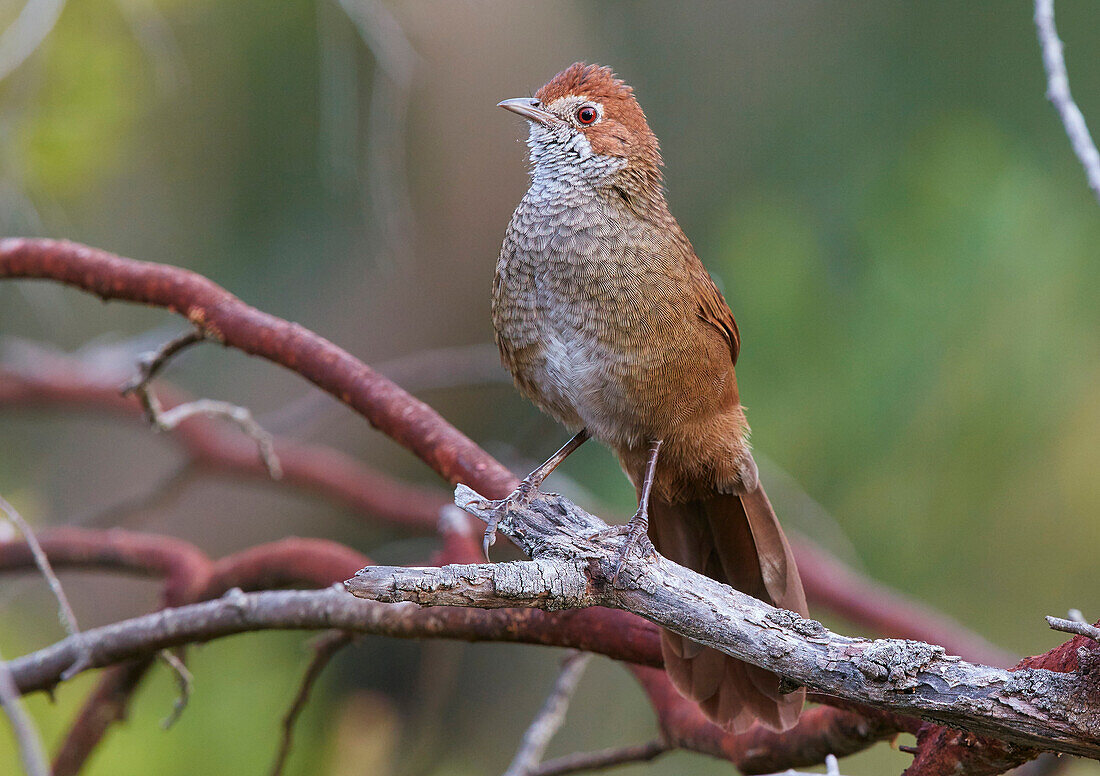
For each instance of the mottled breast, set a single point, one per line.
(585, 299)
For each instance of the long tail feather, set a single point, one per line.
(735, 539)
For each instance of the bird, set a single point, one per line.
(610, 323)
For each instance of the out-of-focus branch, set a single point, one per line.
(313, 468)
(1058, 93)
(189, 576)
(550, 717)
(65, 609)
(183, 679)
(832, 585)
(820, 731)
(583, 762)
(24, 35)
(30, 743)
(150, 365)
(395, 63)
(226, 319)
(324, 649)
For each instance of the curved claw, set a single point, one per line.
(635, 530)
(490, 537)
(520, 497)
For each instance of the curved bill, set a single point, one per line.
(529, 108)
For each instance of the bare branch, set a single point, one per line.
(604, 758)
(227, 319)
(183, 679)
(574, 553)
(324, 649)
(242, 416)
(1076, 624)
(30, 743)
(1058, 93)
(395, 64)
(82, 658)
(550, 717)
(150, 364)
(312, 468)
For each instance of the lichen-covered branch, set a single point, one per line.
(573, 555)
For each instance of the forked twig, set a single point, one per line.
(150, 364)
(166, 420)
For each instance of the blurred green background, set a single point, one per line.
(884, 194)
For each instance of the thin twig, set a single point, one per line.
(602, 759)
(183, 679)
(166, 420)
(1058, 93)
(550, 717)
(65, 610)
(324, 649)
(150, 364)
(30, 743)
(1076, 624)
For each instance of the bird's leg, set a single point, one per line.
(528, 489)
(639, 524)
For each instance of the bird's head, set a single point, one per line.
(586, 123)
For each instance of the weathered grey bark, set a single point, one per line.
(574, 552)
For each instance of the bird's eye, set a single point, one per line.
(586, 114)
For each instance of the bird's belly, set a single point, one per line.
(625, 395)
(579, 377)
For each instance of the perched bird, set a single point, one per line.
(609, 322)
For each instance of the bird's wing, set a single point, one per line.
(712, 307)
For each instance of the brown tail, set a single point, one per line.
(735, 539)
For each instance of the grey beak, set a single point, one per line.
(530, 109)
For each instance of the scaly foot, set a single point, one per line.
(520, 497)
(635, 532)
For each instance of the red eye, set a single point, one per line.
(587, 115)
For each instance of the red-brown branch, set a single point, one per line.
(820, 731)
(223, 450)
(222, 316)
